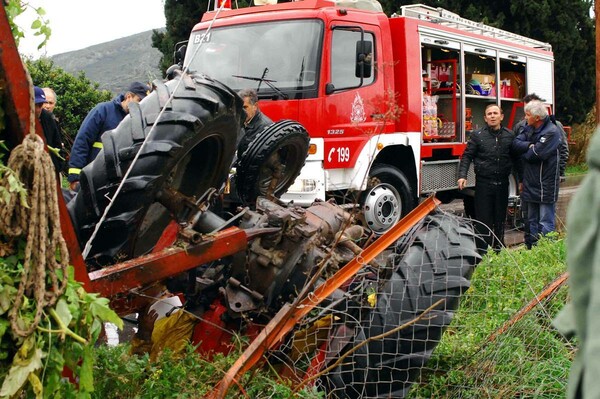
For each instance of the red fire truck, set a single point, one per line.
(389, 102)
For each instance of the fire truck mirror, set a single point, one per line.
(364, 58)
(329, 88)
(179, 54)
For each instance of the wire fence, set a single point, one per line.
(434, 317)
(434, 321)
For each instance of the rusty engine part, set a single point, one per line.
(286, 244)
(278, 265)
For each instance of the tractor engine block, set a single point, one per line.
(278, 265)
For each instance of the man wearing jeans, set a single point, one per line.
(539, 148)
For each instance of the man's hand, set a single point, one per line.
(74, 185)
(462, 183)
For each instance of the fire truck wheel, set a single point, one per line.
(433, 262)
(190, 150)
(387, 199)
(283, 147)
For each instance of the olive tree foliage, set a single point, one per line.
(565, 24)
(77, 95)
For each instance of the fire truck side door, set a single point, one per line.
(354, 99)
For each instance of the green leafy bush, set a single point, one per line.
(121, 375)
(577, 169)
(77, 95)
(64, 339)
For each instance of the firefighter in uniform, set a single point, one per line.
(103, 117)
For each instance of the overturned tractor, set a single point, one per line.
(168, 163)
(310, 285)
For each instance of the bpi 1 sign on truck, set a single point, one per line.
(389, 102)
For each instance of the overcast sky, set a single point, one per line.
(77, 24)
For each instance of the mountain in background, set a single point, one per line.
(115, 64)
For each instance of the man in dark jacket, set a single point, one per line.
(255, 121)
(539, 147)
(489, 150)
(103, 117)
(49, 106)
(521, 127)
(50, 129)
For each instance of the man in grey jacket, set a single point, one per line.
(564, 145)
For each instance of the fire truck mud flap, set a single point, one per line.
(189, 151)
(272, 161)
(433, 262)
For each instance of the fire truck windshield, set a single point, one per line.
(276, 58)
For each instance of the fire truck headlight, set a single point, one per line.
(303, 186)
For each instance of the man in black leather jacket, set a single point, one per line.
(489, 149)
(255, 121)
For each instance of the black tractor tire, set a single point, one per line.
(285, 142)
(190, 150)
(388, 198)
(434, 261)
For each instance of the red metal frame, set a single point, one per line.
(113, 281)
(16, 84)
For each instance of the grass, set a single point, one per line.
(578, 169)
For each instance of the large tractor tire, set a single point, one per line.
(190, 150)
(434, 261)
(280, 148)
(388, 198)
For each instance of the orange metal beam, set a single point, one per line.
(147, 269)
(290, 315)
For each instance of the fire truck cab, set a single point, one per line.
(389, 102)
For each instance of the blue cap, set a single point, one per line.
(40, 96)
(139, 88)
